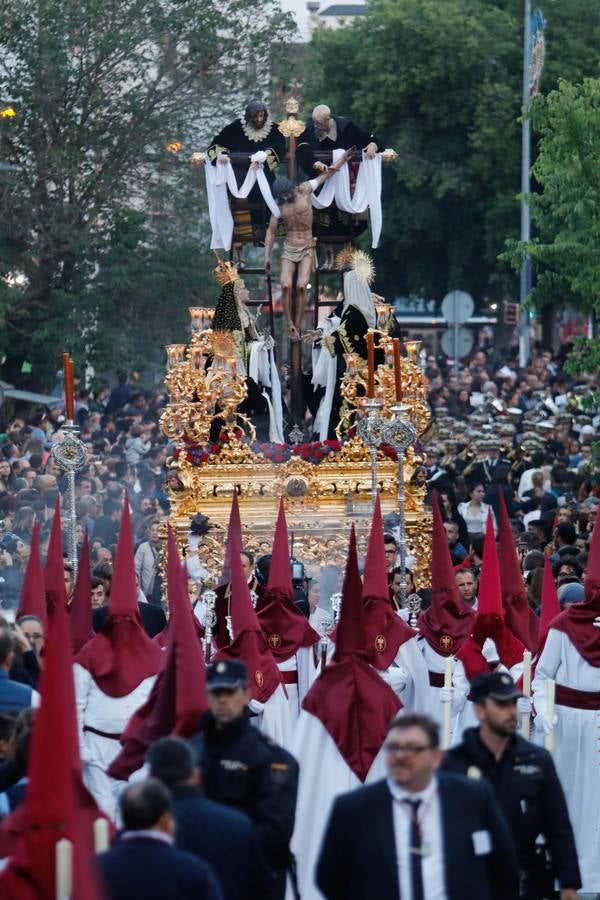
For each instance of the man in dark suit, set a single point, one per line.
(144, 864)
(153, 618)
(418, 833)
(215, 833)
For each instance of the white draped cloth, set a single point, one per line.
(324, 775)
(263, 370)
(324, 367)
(110, 715)
(576, 753)
(220, 178)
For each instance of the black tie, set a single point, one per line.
(415, 851)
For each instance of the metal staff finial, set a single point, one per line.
(70, 455)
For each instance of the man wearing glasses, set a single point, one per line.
(418, 834)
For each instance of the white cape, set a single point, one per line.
(576, 754)
(324, 775)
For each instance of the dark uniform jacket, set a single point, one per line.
(358, 856)
(531, 797)
(219, 835)
(245, 769)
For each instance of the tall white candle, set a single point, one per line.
(447, 711)
(525, 718)
(101, 835)
(64, 869)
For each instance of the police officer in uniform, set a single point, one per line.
(245, 769)
(526, 785)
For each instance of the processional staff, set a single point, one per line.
(70, 455)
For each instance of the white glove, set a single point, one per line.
(597, 622)
(447, 694)
(524, 706)
(396, 677)
(543, 723)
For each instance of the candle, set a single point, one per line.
(196, 318)
(397, 370)
(64, 869)
(371, 364)
(447, 711)
(101, 839)
(68, 380)
(525, 720)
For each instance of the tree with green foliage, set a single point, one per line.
(566, 211)
(103, 233)
(440, 81)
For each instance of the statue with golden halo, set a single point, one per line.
(341, 340)
(237, 344)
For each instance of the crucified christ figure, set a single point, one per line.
(298, 253)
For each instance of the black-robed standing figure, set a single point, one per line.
(255, 131)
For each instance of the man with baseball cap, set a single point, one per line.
(526, 785)
(243, 768)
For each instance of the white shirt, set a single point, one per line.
(430, 820)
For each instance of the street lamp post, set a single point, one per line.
(525, 190)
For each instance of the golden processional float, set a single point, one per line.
(326, 485)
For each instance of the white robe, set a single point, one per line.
(108, 714)
(435, 662)
(576, 754)
(324, 775)
(466, 717)
(273, 718)
(415, 694)
(302, 662)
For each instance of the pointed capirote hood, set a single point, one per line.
(518, 615)
(350, 632)
(353, 703)
(234, 536)
(80, 618)
(448, 621)
(56, 804)
(577, 620)
(489, 620)
(284, 626)
(385, 632)
(54, 572)
(178, 697)
(249, 643)
(489, 600)
(122, 655)
(550, 606)
(33, 592)
(375, 583)
(280, 571)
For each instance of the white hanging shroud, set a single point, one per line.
(367, 194)
(263, 370)
(221, 177)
